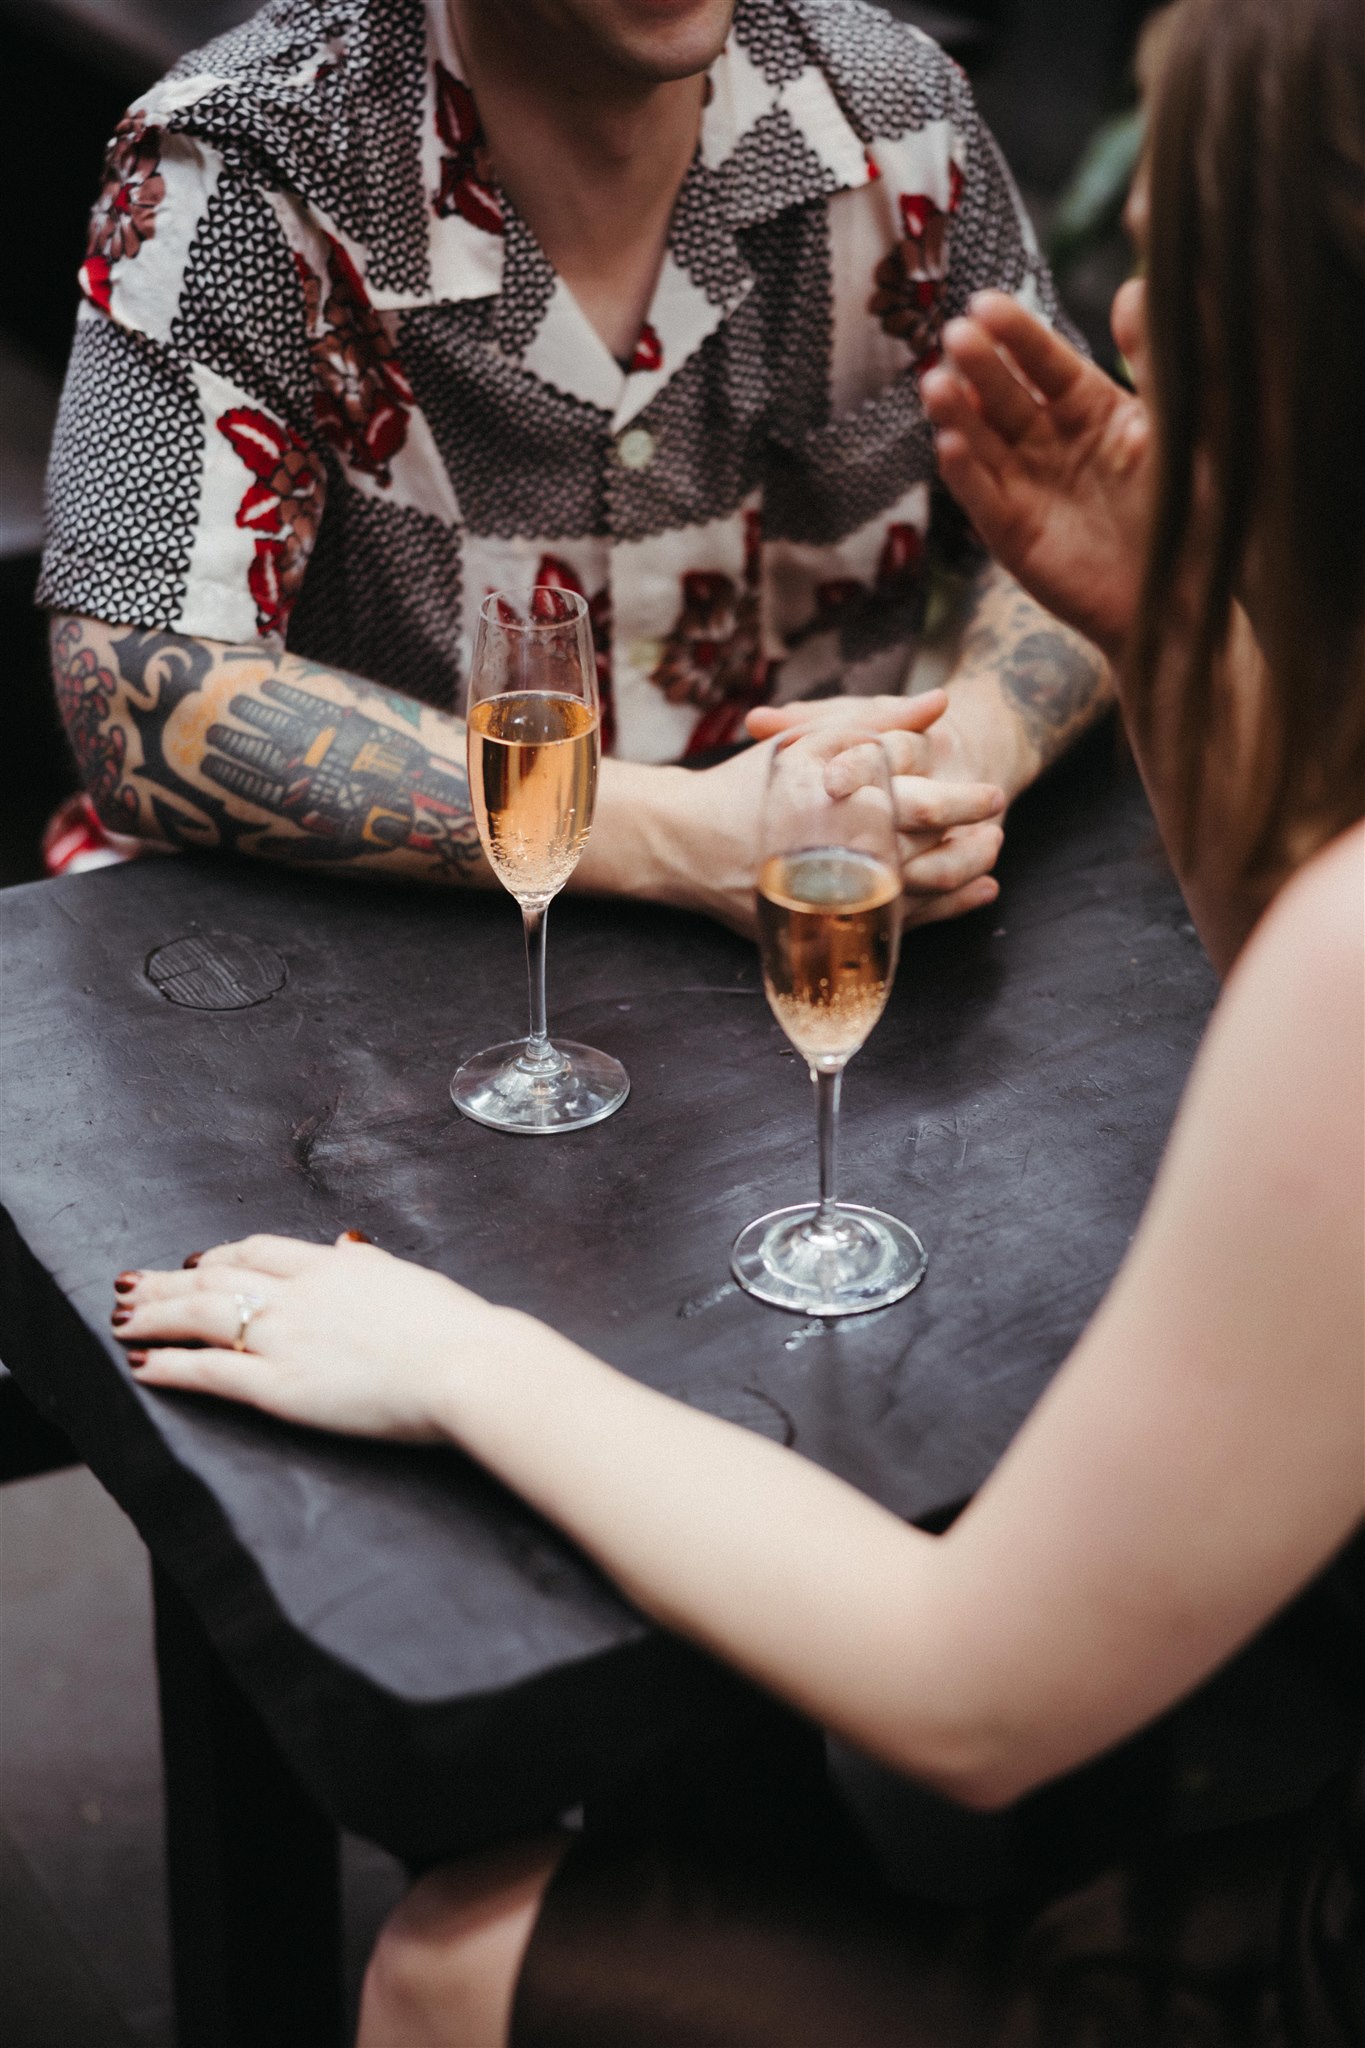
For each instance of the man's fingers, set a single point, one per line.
(961, 858)
(861, 714)
(1050, 364)
(282, 1256)
(925, 806)
(934, 909)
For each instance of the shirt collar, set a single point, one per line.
(768, 142)
(773, 136)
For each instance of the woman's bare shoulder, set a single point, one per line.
(1326, 898)
(1313, 933)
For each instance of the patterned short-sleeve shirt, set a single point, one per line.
(326, 388)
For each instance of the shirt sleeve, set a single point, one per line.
(185, 486)
(960, 227)
(992, 244)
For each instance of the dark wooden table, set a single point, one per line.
(380, 1637)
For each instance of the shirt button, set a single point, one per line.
(635, 448)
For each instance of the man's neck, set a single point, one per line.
(591, 157)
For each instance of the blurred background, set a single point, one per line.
(82, 1937)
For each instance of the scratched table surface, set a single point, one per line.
(195, 1049)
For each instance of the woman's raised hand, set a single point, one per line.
(341, 1337)
(1050, 459)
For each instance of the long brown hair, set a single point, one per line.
(1256, 307)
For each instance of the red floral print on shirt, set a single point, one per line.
(840, 601)
(281, 508)
(713, 657)
(124, 215)
(909, 296)
(901, 560)
(467, 183)
(649, 350)
(558, 574)
(362, 400)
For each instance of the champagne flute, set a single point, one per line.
(534, 745)
(829, 891)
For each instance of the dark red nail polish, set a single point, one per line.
(126, 1282)
(356, 1237)
(192, 1260)
(136, 1358)
(120, 1317)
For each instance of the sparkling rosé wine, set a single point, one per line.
(533, 759)
(828, 930)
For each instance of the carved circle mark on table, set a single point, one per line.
(216, 971)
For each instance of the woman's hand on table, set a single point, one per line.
(947, 820)
(1051, 459)
(342, 1337)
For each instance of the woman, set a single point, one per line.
(1198, 1459)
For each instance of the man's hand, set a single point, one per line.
(1050, 459)
(690, 837)
(950, 836)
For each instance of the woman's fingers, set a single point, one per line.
(282, 1256)
(1050, 364)
(235, 1375)
(197, 1307)
(953, 408)
(1007, 403)
(206, 1279)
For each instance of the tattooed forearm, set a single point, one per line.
(1053, 682)
(86, 690)
(196, 744)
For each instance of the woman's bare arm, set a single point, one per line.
(1198, 1458)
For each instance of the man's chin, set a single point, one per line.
(661, 39)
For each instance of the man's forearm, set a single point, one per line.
(192, 743)
(185, 742)
(1025, 686)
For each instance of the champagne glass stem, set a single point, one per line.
(827, 1090)
(539, 1053)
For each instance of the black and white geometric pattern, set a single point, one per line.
(241, 306)
(771, 40)
(330, 93)
(121, 518)
(524, 459)
(528, 282)
(399, 625)
(305, 327)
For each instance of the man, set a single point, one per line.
(393, 302)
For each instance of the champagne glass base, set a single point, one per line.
(499, 1087)
(866, 1261)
